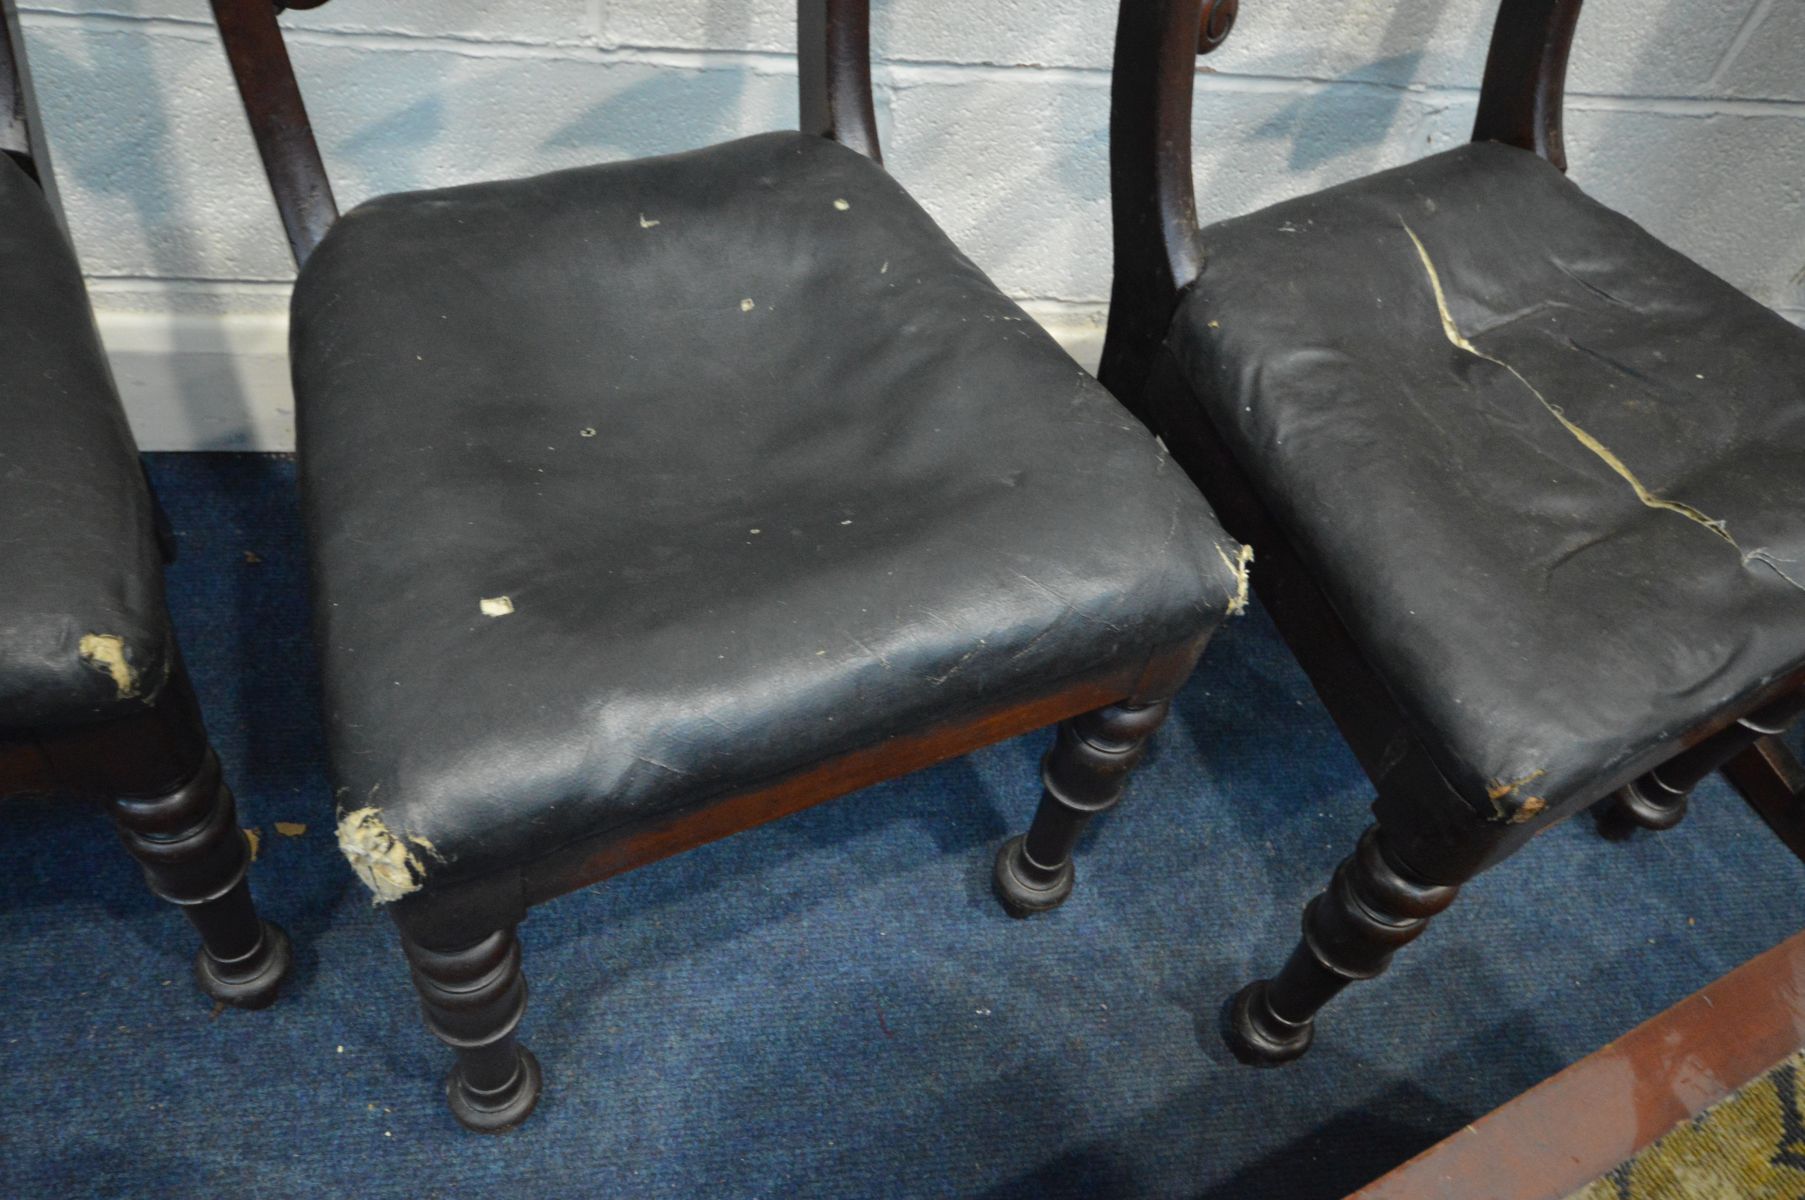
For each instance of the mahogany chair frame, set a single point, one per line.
(460, 938)
(1426, 840)
(154, 770)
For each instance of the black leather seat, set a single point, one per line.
(1549, 472)
(84, 636)
(93, 697)
(632, 484)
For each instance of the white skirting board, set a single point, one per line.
(202, 382)
(221, 382)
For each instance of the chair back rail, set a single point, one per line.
(1526, 76)
(833, 63)
(1158, 251)
(834, 69)
(278, 118)
(15, 94)
(21, 120)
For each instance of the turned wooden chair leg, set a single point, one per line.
(1648, 802)
(1373, 905)
(1657, 800)
(195, 856)
(1082, 775)
(1771, 779)
(473, 997)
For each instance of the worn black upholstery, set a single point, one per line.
(83, 632)
(765, 468)
(1563, 519)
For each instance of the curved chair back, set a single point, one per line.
(834, 70)
(1158, 252)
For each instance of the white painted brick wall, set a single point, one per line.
(1687, 114)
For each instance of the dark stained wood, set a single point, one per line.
(195, 856)
(1082, 776)
(472, 997)
(1526, 77)
(1562, 1134)
(834, 72)
(1771, 779)
(284, 135)
(1157, 248)
(1372, 908)
(177, 818)
(617, 851)
(21, 129)
(1657, 800)
(15, 126)
(1429, 840)
(1217, 23)
(833, 63)
(24, 770)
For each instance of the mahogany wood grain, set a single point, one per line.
(618, 851)
(833, 64)
(1526, 77)
(1771, 779)
(1158, 251)
(834, 79)
(278, 118)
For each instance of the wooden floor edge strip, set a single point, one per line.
(1574, 1126)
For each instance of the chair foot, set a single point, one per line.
(472, 998)
(1258, 1036)
(500, 1109)
(194, 855)
(1026, 888)
(252, 981)
(1082, 775)
(1373, 906)
(1645, 803)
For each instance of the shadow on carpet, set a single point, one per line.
(833, 1005)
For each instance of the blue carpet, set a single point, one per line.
(832, 1005)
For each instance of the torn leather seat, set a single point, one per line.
(1549, 472)
(84, 636)
(634, 484)
(94, 701)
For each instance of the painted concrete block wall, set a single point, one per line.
(1687, 114)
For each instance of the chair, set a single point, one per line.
(652, 501)
(93, 697)
(1527, 486)
(1771, 779)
